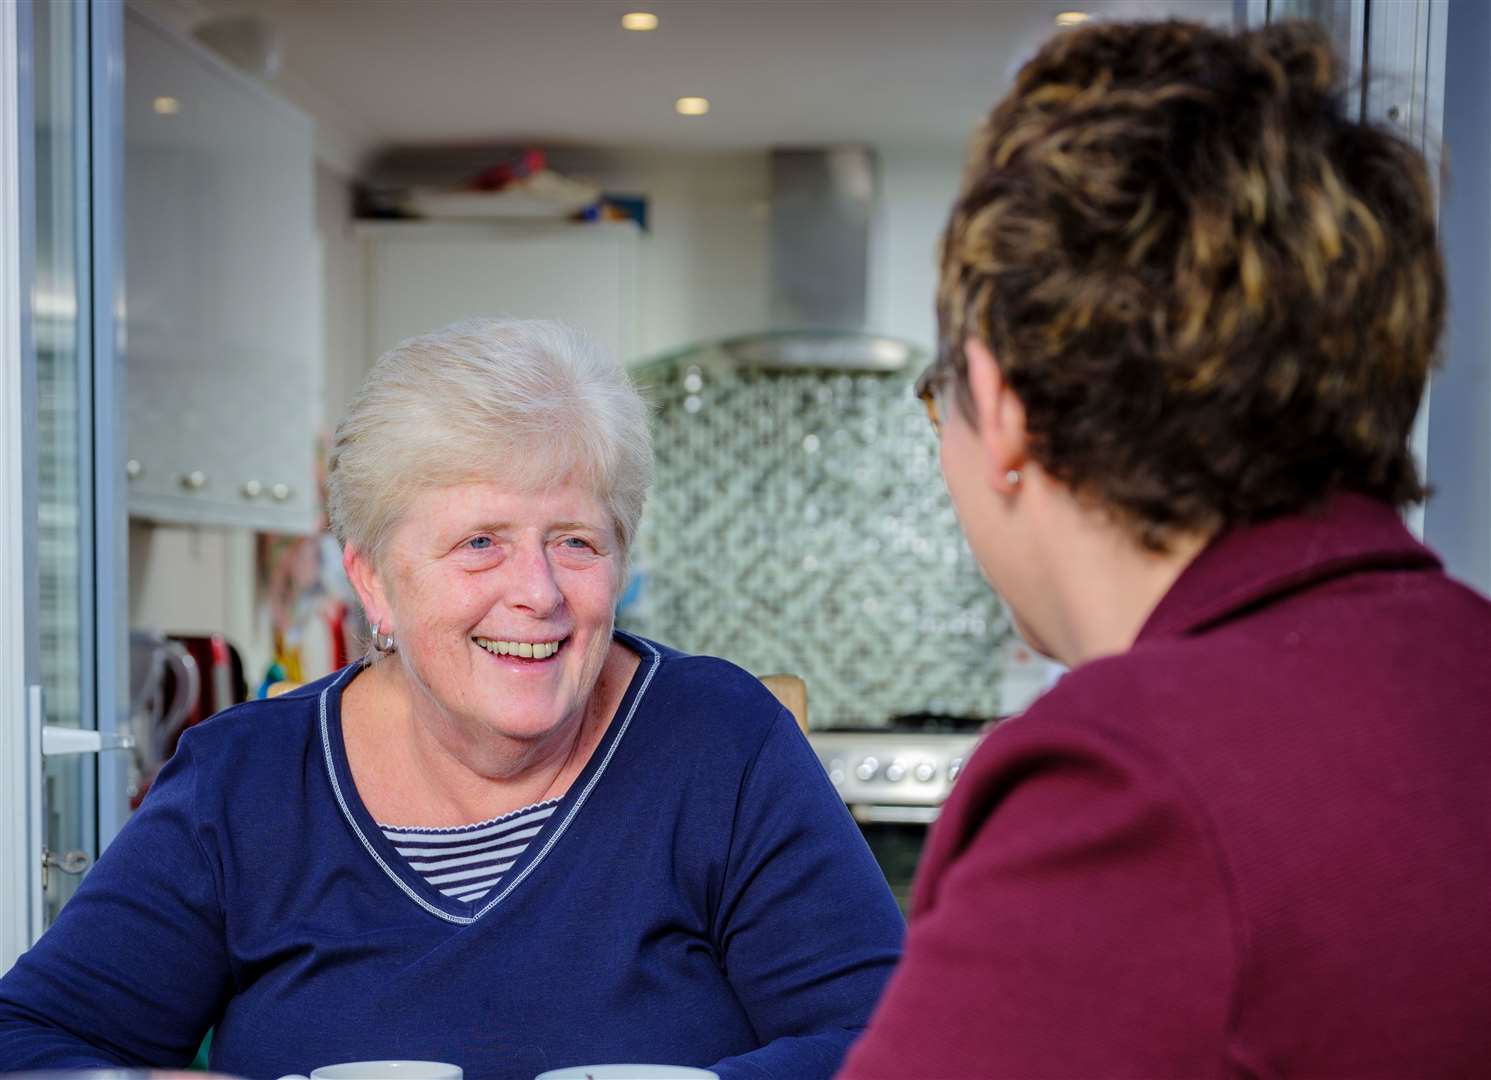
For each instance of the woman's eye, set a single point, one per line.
(479, 543)
(576, 543)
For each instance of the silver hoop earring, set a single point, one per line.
(1013, 477)
(384, 643)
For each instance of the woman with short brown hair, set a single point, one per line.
(1188, 308)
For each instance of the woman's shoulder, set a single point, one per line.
(709, 694)
(268, 733)
(700, 672)
(1127, 712)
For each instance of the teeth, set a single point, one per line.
(534, 650)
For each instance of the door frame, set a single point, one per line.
(106, 517)
(20, 819)
(1396, 49)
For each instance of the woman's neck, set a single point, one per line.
(1103, 586)
(413, 766)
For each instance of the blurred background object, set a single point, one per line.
(250, 43)
(165, 690)
(792, 692)
(310, 606)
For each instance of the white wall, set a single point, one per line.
(344, 289)
(704, 261)
(917, 186)
(704, 255)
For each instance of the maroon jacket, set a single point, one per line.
(1257, 844)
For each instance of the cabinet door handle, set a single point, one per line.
(252, 489)
(281, 492)
(195, 480)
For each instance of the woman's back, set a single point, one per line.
(1258, 843)
(1338, 737)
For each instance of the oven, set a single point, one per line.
(894, 780)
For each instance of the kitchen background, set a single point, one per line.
(307, 182)
(303, 191)
(798, 523)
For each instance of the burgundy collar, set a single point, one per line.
(1251, 564)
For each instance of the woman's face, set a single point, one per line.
(477, 576)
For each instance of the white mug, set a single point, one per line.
(628, 1072)
(384, 1070)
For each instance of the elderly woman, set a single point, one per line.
(513, 838)
(1189, 306)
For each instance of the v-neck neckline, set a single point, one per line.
(395, 866)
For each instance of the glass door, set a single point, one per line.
(60, 412)
(60, 338)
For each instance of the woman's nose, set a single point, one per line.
(532, 587)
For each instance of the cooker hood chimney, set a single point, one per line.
(823, 202)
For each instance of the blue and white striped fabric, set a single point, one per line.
(467, 862)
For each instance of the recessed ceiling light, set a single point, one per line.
(692, 106)
(167, 106)
(1072, 18)
(639, 20)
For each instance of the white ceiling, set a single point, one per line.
(377, 73)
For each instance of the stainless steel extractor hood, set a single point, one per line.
(823, 205)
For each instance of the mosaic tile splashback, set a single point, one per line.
(799, 524)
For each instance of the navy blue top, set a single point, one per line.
(700, 897)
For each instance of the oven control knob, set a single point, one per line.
(925, 772)
(895, 772)
(954, 767)
(867, 769)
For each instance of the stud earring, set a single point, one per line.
(1012, 477)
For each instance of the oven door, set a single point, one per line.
(896, 835)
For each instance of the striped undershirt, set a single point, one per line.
(466, 862)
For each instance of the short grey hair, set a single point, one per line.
(523, 402)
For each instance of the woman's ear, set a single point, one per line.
(368, 583)
(999, 418)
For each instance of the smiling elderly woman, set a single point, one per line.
(513, 838)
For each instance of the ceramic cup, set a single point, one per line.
(384, 1070)
(628, 1072)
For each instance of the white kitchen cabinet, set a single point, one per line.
(424, 275)
(223, 292)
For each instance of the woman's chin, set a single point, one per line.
(1029, 635)
(510, 709)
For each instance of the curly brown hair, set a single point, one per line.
(1216, 295)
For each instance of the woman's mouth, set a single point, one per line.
(534, 651)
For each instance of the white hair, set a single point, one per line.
(526, 403)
